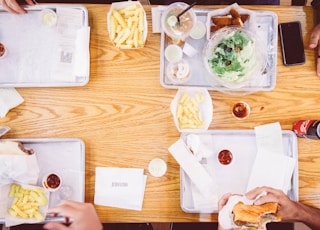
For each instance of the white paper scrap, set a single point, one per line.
(9, 98)
(120, 187)
(19, 168)
(272, 170)
(271, 167)
(269, 138)
(189, 163)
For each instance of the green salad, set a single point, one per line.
(233, 57)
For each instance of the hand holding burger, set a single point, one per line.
(240, 212)
(286, 209)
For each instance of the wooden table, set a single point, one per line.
(123, 116)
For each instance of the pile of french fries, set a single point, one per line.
(127, 27)
(188, 113)
(27, 202)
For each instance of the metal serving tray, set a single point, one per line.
(229, 177)
(37, 70)
(65, 156)
(266, 27)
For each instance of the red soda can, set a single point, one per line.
(307, 129)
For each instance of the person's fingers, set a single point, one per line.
(223, 200)
(54, 226)
(6, 7)
(64, 210)
(315, 37)
(252, 194)
(30, 2)
(264, 189)
(318, 62)
(12, 7)
(66, 207)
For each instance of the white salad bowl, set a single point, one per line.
(234, 57)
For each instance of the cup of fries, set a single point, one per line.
(192, 109)
(127, 25)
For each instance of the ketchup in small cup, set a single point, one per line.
(225, 157)
(52, 182)
(241, 110)
(3, 50)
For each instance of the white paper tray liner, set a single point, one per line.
(233, 178)
(63, 156)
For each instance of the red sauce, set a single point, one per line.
(2, 49)
(225, 157)
(53, 181)
(240, 110)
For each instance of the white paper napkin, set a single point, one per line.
(120, 187)
(196, 172)
(156, 18)
(226, 215)
(271, 167)
(269, 138)
(82, 53)
(9, 98)
(272, 170)
(19, 168)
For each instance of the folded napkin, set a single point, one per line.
(9, 98)
(196, 172)
(82, 53)
(156, 18)
(271, 167)
(120, 187)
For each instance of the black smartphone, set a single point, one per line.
(291, 43)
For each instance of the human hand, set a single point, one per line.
(13, 7)
(288, 208)
(82, 215)
(314, 44)
(222, 202)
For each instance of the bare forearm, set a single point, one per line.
(309, 216)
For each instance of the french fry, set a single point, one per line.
(27, 202)
(119, 18)
(112, 28)
(127, 27)
(188, 113)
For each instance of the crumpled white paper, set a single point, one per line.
(9, 98)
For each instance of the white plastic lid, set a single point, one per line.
(173, 53)
(157, 167)
(198, 30)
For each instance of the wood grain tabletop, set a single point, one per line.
(123, 116)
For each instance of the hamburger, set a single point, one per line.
(255, 216)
